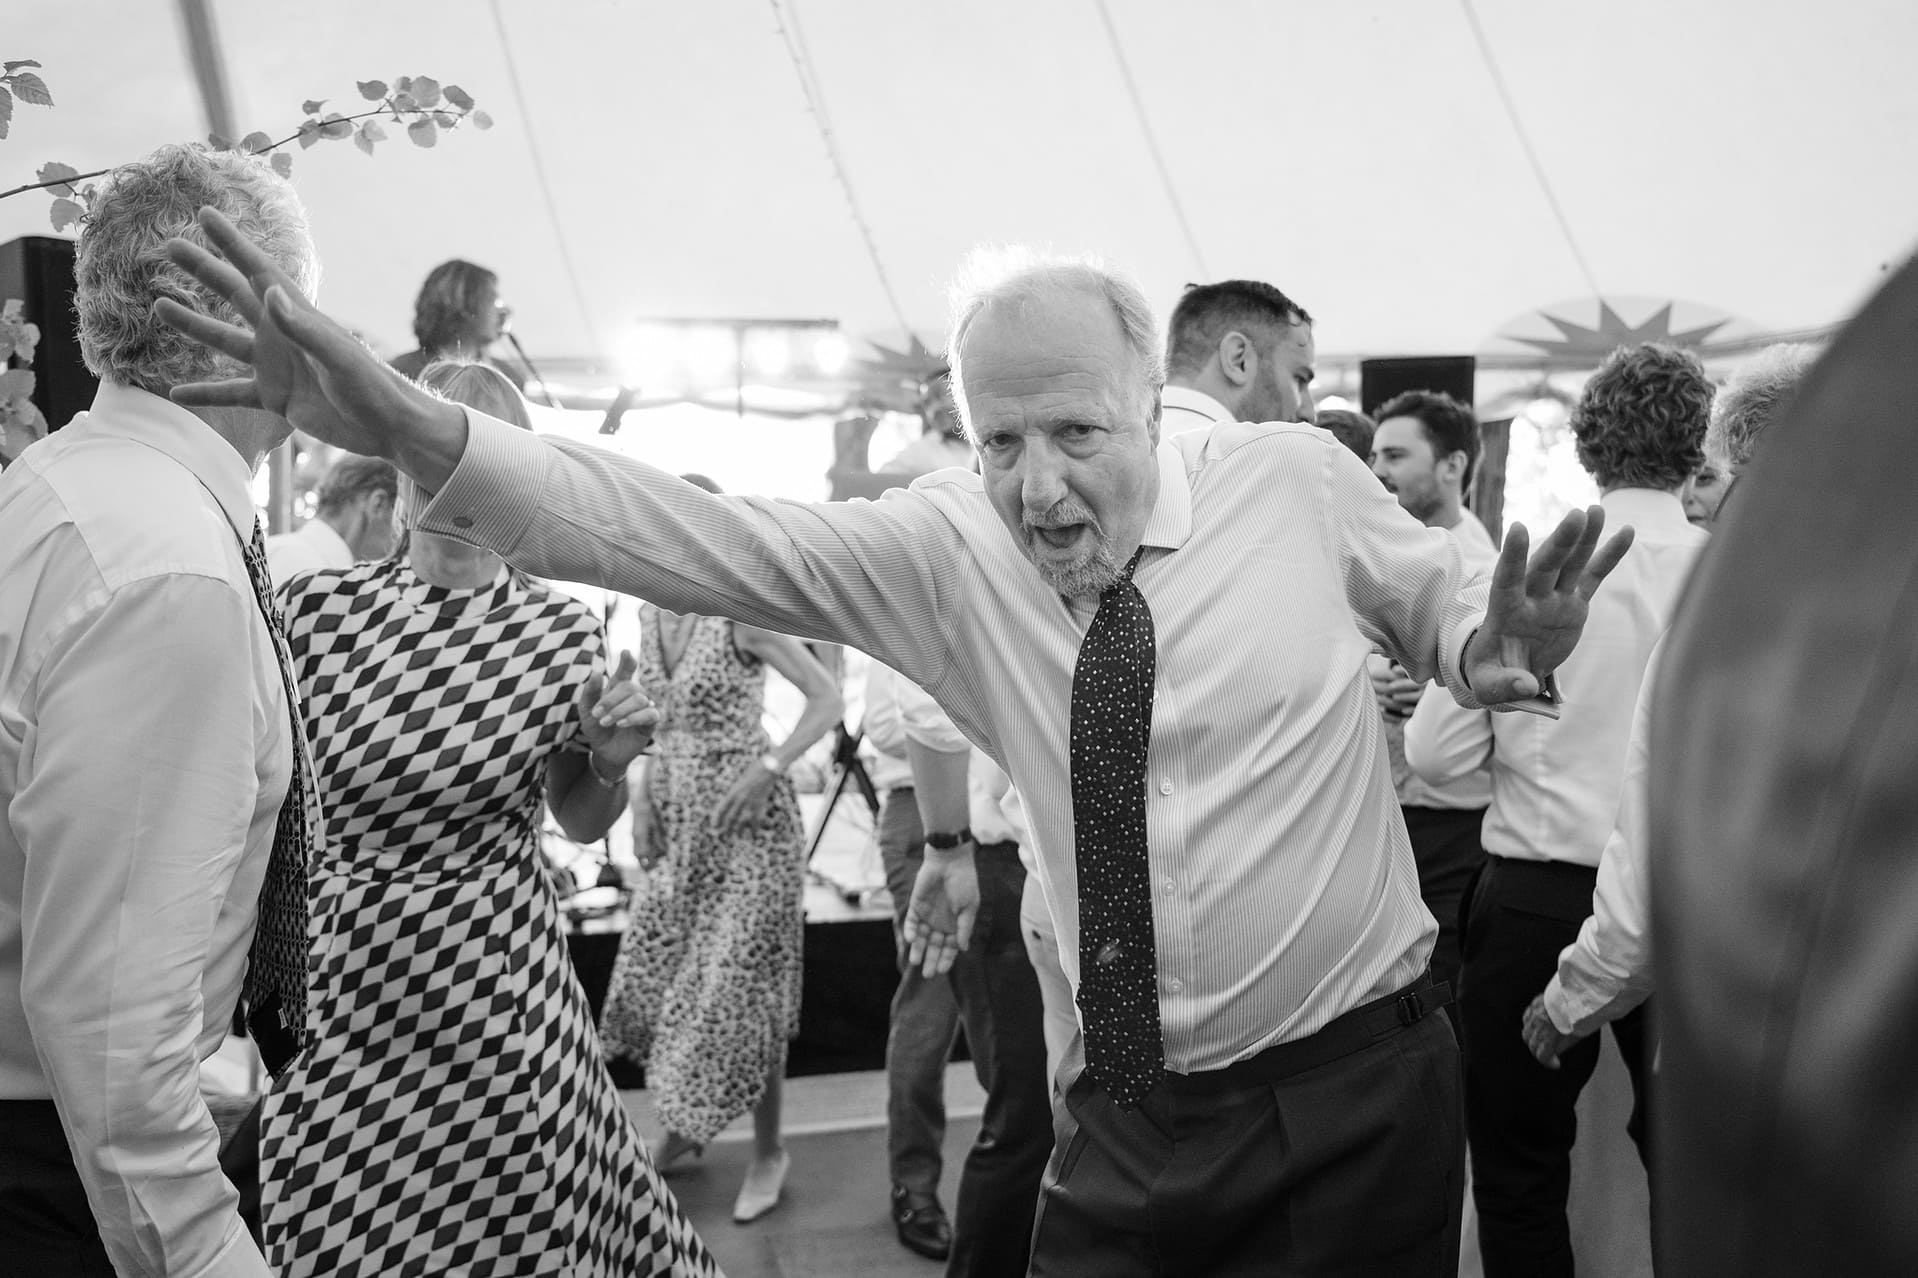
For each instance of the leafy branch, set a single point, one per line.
(419, 102)
(25, 85)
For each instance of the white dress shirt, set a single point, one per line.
(313, 545)
(144, 752)
(1284, 891)
(1183, 409)
(1607, 971)
(1474, 788)
(1555, 783)
(986, 785)
(883, 729)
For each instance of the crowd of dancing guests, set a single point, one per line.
(1257, 918)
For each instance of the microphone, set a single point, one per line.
(545, 391)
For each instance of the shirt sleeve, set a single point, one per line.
(876, 576)
(1607, 971)
(139, 787)
(880, 722)
(1445, 740)
(1408, 586)
(926, 724)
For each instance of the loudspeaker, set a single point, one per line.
(38, 269)
(1381, 379)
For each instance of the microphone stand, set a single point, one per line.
(545, 391)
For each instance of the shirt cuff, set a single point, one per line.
(493, 494)
(1558, 1006)
(240, 1258)
(1452, 654)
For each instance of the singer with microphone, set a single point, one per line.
(458, 316)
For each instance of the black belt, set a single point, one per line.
(1357, 1029)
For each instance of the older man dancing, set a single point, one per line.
(1262, 1086)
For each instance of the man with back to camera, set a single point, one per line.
(352, 521)
(1236, 351)
(1422, 451)
(1094, 611)
(1639, 424)
(155, 798)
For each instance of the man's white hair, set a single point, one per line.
(995, 275)
(121, 267)
(1749, 401)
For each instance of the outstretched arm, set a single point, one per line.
(1536, 610)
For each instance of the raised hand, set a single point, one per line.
(945, 904)
(1537, 610)
(306, 368)
(616, 717)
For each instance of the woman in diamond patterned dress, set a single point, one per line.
(705, 993)
(453, 1114)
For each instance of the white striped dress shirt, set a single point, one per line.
(1284, 892)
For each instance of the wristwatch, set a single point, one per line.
(947, 842)
(771, 763)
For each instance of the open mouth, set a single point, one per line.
(1059, 538)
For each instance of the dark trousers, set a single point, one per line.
(924, 1021)
(46, 1228)
(1445, 845)
(1348, 1167)
(1520, 1116)
(996, 995)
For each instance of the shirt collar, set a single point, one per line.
(126, 412)
(1171, 520)
(1186, 400)
(1645, 509)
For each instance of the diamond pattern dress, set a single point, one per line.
(453, 1114)
(705, 992)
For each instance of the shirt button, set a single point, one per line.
(1169, 886)
(1165, 785)
(1174, 985)
(461, 521)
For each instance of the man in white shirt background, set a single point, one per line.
(146, 745)
(1639, 424)
(1236, 351)
(1607, 971)
(352, 521)
(1423, 450)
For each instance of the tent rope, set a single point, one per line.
(789, 35)
(545, 186)
(1151, 141)
(1525, 143)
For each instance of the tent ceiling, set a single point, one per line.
(1749, 155)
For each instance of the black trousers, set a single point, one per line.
(1445, 845)
(1521, 1117)
(46, 1228)
(1350, 1167)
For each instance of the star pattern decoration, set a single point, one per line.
(1579, 342)
(889, 380)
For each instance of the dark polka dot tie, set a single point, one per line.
(1111, 728)
(275, 987)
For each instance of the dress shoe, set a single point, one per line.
(921, 1223)
(760, 1194)
(675, 1154)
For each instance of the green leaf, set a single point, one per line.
(403, 101)
(422, 132)
(6, 111)
(426, 91)
(255, 142)
(53, 171)
(373, 131)
(218, 143)
(458, 97)
(32, 88)
(481, 120)
(312, 106)
(65, 213)
(283, 164)
(8, 68)
(372, 90)
(444, 119)
(309, 133)
(336, 126)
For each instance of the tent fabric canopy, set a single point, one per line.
(1745, 155)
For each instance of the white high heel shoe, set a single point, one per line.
(760, 1192)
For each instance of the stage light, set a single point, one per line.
(651, 356)
(830, 353)
(711, 354)
(769, 352)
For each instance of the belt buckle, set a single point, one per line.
(1410, 1008)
